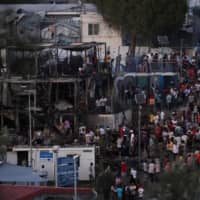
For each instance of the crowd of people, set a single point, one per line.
(173, 61)
(170, 134)
(169, 138)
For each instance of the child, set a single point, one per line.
(140, 192)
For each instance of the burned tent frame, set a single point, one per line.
(85, 49)
(35, 52)
(30, 51)
(31, 81)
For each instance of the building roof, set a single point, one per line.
(18, 192)
(48, 7)
(41, 46)
(67, 79)
(8, 192)
(82, 46)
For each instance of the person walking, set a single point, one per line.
(119, 192)
(91, 173)
(151, 170)
(140, 192)
(169, 101)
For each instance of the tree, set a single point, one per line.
(181, 184)
(104, 182)
(4, 142)
(145, 18)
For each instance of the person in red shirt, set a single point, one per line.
(123, 169)
(198, 119)
(198, 159)
(121, 131)
(158, 132)
(194, 131)
(140, 190)
(171, 127)
(191, 73)
(183, 87)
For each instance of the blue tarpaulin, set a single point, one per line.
(66, 173)
(14, 173)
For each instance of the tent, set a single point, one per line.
(19, 174)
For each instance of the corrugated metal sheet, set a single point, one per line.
(8, 192)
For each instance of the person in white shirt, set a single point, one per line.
(169, 101)
(171, 134)
(91, 132)
(175, 149)
(132, 142)
(132, 139)
(197, 86)
(156, 119)
(151, 170)
(157, 168)
(165, 135)
(82, 130)
(162, 116)
(119, 145)
(98, 105)
(102, 131)
(102, 104)
(145, 166)
(150, 57)
(87, 138)
(184, 138)
(133, 173)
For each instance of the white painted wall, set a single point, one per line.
(11, 157)
(107, 34)
(193, 3)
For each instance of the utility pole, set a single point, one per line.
(181, 56)
(139, 134)
(30, 129)
(55, 151)
(139, 99)
(75, 177)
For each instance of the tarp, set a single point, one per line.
(63, 105)
(14, 173)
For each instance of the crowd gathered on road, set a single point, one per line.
(170, 136)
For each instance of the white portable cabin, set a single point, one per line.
(43, 159)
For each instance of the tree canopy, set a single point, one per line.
(182, 184)
(144, 17)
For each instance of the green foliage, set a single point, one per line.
(4, 136)
(179, 184)
(104, 180)
(4, 142)
(144, 17)
(196, 11)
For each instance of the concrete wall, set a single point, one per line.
(11, 157)
(111, 120)
(193, 3)
(106, 34)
